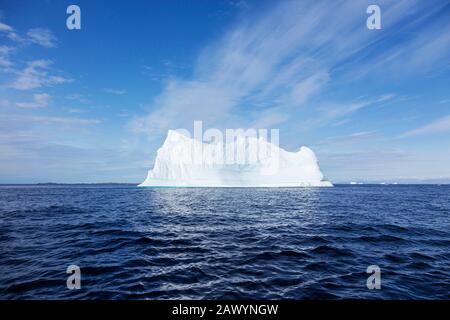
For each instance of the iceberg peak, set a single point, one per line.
(174, 136)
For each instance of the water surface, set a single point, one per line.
(204, 243)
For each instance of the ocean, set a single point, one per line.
(225, 243)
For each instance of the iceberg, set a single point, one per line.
(175, 165)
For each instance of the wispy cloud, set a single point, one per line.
(332, 112)
(78, 97)
(64, 120)
(356, 105)
(5, 28)
(353, 138)
(37, 74)
(5, 60)
(75, 110)
(280, 63)
(114, 91)
(438, 126)
(39, 100)
(48, 119)
(9, 31)
(42, 36)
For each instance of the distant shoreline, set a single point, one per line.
(387, 184)
(69, 184)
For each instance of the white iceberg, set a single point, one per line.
(174, 165)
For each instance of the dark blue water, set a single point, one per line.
(304, 243)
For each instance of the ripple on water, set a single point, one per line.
(294, 243)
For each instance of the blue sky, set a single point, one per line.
(94, 105)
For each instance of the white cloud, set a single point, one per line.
(353, 138)
(331, 110)
(64, 120)
(42, 36)
(438, 126)
(276, 64)
(252, 67)
(27, 119)
(35, 75)
(269, 118)
(357, 105)
(9, 31)
(5, 60)
(114, 91)
(39, 100)
(301, 91)
(426, 49)
(75, 110)
(5, 28)
(78, 97)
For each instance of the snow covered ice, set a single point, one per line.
(178, 164)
